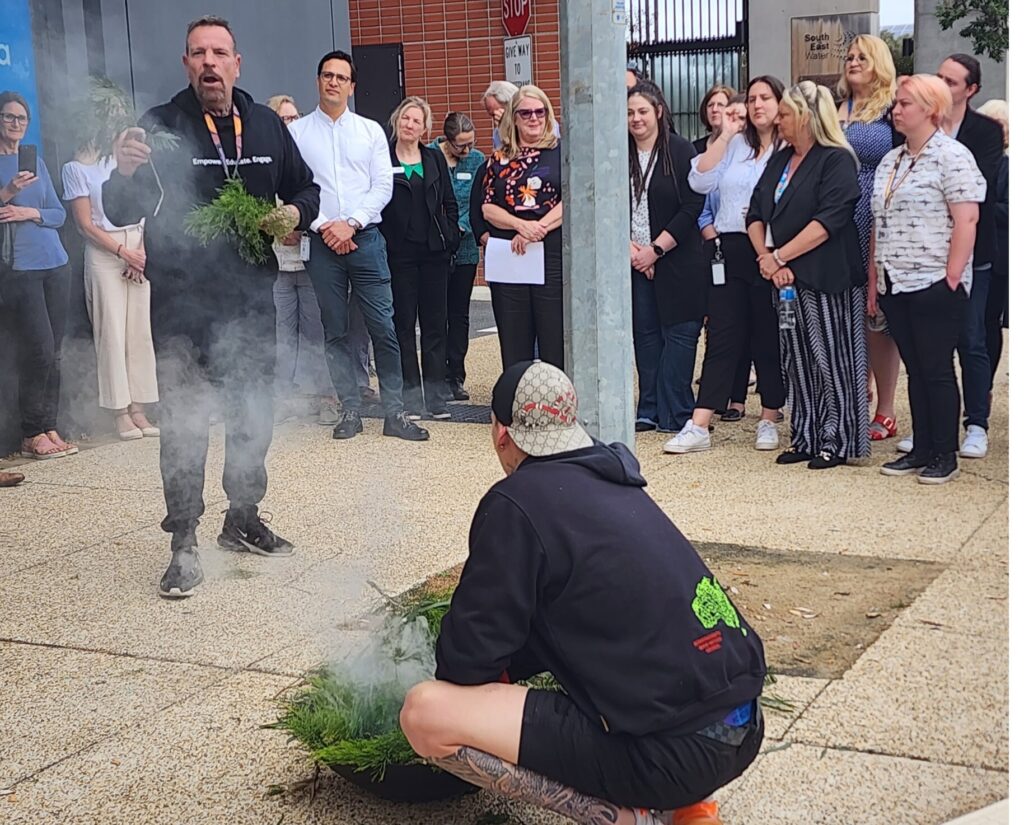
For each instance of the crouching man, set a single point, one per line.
(573, 569)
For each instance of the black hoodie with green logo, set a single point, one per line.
(194, 286)
(575, 570)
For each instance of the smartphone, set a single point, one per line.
(27, 158)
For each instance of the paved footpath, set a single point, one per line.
(118, 707)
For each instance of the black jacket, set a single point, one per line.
(477, 222)
(680, 276)
(984, 137)
(444, 209)
(194, 286)
(824, 189)
(573, 569)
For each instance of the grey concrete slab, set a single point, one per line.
(997, 814)
(57, 701)
(804, 785)
(39, 522)
(917, 693)
(798, 692)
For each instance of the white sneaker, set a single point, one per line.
(905, 445)
(690, 439)
(975, 443)
(767, 436)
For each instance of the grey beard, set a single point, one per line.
(217, 103)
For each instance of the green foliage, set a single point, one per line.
(105, 112)
(989, 28)
(236, 215)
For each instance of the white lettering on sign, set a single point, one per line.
(5, 54)
(519, 59)
(514, 8)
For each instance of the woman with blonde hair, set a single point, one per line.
(522, 204)
(421, 227)
(800, 223)
(866, 93)
(926, 204)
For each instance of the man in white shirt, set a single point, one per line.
(351, 162)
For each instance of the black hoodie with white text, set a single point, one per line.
(575, 570)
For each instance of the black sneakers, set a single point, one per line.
(246, 531)
(349, 425)
(905, 465)
(399, 426)
(940, 469)
(183, 574)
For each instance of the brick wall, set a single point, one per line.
(453, 50)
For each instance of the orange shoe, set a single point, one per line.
(702, 813)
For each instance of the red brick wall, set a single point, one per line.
(454, 49)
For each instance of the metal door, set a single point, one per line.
(381, 84)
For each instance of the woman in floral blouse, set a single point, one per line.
(523, 204)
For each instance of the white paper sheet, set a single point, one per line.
(503, 266)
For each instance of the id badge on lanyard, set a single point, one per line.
(718, 265)
(236, 123)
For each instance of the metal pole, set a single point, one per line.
(595, 193)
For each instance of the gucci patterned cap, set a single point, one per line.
(537, 402)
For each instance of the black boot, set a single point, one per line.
(349, 425)
(458, 391)
(399, 426)
(941, 469)
(183, 574)
(245, 531)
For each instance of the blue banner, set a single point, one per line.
(17, 58)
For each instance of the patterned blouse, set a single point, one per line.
(528, 185)
(640, 218)
(871, 141)
(913, 226)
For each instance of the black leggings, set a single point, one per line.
(527, 314)
(460, 293)
(37, 303)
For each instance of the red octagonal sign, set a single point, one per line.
(515, 14)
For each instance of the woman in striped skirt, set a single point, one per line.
(800, 222)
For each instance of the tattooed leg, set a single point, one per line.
(515, 782)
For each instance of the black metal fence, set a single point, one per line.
(687, 46)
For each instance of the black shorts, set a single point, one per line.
(661, 771)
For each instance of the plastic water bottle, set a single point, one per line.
(787, 307)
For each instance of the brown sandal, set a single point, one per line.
(66, 446)
(40, 448)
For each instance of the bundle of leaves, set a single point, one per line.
(243, 219)
(343, 718)
(105, 112)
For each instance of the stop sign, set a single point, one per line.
(515, 14)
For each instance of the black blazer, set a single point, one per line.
(984, 137)
(444, 209)
(824, 189)
(680, 276)
(477, 222)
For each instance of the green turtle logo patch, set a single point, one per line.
(711, 605)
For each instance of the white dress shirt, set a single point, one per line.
(351, 162)
(734, 178)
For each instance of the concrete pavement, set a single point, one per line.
(119, 707)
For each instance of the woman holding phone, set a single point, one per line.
(35, 287)
(116, 295)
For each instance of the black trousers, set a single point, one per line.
(926, 326)
(742, 323)
(460, 293)
(527, 315)
(229, 367)
(419, 285)
(996, 315)
(37, 305)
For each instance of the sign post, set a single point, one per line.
(519, 60)
(515, 14)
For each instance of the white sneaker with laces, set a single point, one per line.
(905, 445)
(767, 436)
(690, 439)
(975, 443)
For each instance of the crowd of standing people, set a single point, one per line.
(783, 236)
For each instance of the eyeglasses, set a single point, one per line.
(850, 58)
(290, 118)
(462, 147)
(10, 117)
(328, 77)
(531, 114)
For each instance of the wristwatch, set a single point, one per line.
(658, 250)
(354, 224)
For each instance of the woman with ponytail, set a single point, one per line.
(801, 225)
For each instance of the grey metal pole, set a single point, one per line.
(595, 193)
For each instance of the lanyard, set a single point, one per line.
(236, 125)
(780, 187)
(893, 184)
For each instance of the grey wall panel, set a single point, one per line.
(115, 42)
(280, 45)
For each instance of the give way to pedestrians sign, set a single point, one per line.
(519, 60)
